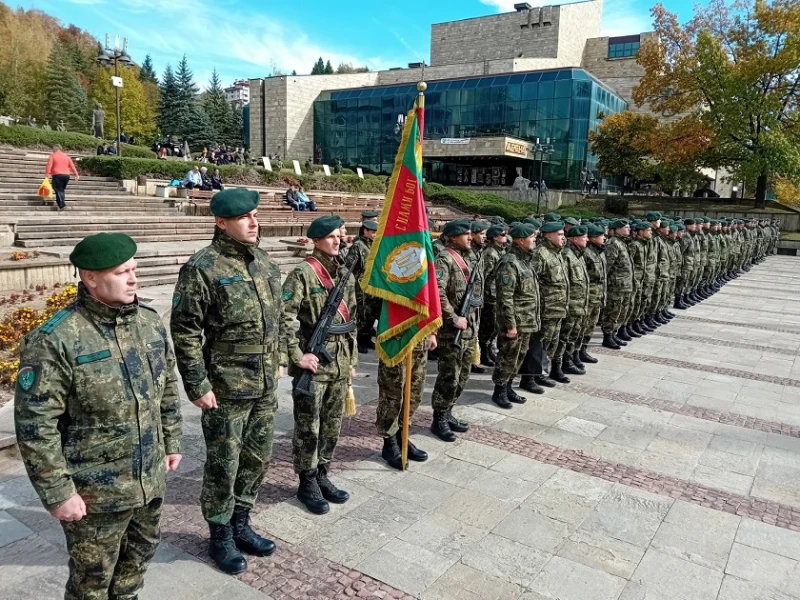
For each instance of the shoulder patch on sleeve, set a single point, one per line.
(176, 299)
(287, 295)
(439, 274)
(27, 376)
(54, 321)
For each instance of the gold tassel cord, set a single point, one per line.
(350, 402)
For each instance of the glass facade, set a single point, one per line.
(623, 50)
(362, 127)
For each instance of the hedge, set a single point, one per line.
(131, 168)
(22, 136)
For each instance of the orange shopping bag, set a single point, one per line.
(46, 189)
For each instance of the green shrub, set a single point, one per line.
(22, 136)
(131, 168)
(482, 203)
(136, 151)
(617, 205)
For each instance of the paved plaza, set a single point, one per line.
(670, 471)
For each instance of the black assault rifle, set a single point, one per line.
(325, 327)
(468, 302)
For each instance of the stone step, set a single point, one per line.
(134, 231)
(71, 241)
(12, 176)
(144, 282)
(67, 220)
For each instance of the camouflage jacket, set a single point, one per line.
(228, 297)
(491, 258)
(304, 298)
(452, 286)
(551, 270)
(595, 260)
(676, 258)
(362, 245)
(651, 261)
(518, 302)
(438, 246)
(638, 250)
(96, 405)
(476, 258)
(578, 280)
(619, 267)
(663, 258)
(688, 246)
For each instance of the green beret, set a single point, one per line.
(706, 220)
(496, 220)
(641, 226)
(369, 214)
(665, 223)
(689, 221)
(102, 251)
(495, 230)
(571, 220)
(234, 202)
(578, 231)
(456, 227)
(522, 230)
(552, 226)
(673, 228)
(478, 226)
(322, 226)
(616, 224)
(371, 225)
(551, 217)
(653, 215)
(595, 230)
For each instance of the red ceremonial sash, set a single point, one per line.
(460, 262)
(326, 281)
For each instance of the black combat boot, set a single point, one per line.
(544, 380)
(223, 551)
(414, 453)
(576, 360)
(637, 328)
(620, 342)
(477, 369)
(556, 373)
(441, 428)
(329, 491)
(456, 425)
(486, 357)
(586, 357)
(500, 397)
(364, 343)
(652, 323)
(679, 304)
(514, 396)
(631, 332)
(245, 538)
(309, 493)
(569, 367)
(668, 315)
(610, 342)
(391, 453)
(621, 334)
(528, 383)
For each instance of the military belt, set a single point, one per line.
(242, 348)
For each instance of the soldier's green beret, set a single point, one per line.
(497, 220)
(495, 230)
(665, 222)
(595, 230)
(322, 226)
(617, 223)
(102, 251)
(551, 217)
(673, 228)
(371, 225)
(706, 220)
(456, 227)
(689, 221)
(572, 221)
(653, 215)
(537, 223)
(522, 230)
(641, 226)
(578, 231)
(551, 226)
(369, 214)
(478, 226)
(234, 202)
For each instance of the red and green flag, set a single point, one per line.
(400, 266)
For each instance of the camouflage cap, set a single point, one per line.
(322, 226)
(102, 251)
(578, 231)
(234, 202)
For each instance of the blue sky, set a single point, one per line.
(246, 38)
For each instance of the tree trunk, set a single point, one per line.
(761, 191)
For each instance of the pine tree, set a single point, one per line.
(319, 67)
(328, 68)
(168, 121)
(148, 73)
(294, 72)
(216, 107)
(66, 99)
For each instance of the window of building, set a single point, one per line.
(623, 47)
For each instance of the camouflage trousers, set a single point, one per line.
(454, 370)
(109, 552)
(571, 333)
(551, 331)
(317, 423)
(535, 361)
(644, 300)
(590, 322)
(391, 387)
(615, 312)
(238, 438)
(369, 311)
(659, 293)
(510, 356)
(488, 327)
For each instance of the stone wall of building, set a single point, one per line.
(577, 23)
(620, 74)
(256, 118)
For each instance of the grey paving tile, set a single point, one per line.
(765, 569)
(603, 552)
(629, 515)
(564, 579)
(423, 490)
(534, 530)
(442, 535)
(675, 578)
(476, 509)
(776, 540)
(568, 496)
(11, 529)
(461, 582)
(524, 468)
(506, 559)
(451, 470)
(479, 454)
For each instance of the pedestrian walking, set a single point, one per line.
(59, 166)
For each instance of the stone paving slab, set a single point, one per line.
(669, 472)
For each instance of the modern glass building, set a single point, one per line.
(362, 126)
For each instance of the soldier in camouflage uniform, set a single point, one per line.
(98, 421)
(495, 249)
(551, 271)
(229, 340)
(620, 286)
(477, 236)
(318, 419)
(660, 228)
(369, 307)
(639, 250)
(518, 306)
(577, 308)
(453, 268)
(688, 250)
(439, 244)
(596, 267)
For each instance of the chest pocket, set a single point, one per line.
(101, 390)
(576, 273)
(237, 300)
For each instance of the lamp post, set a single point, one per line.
(116, 55)
(542, 149)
